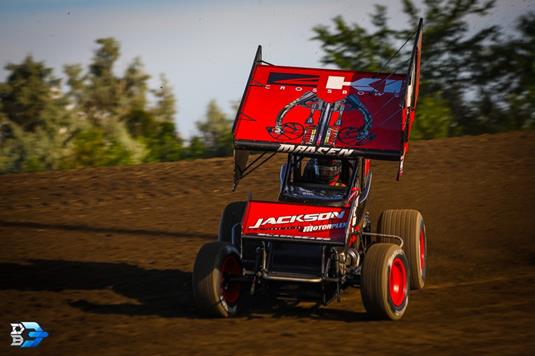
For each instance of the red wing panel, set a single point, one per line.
(267, 219)
(320, 111)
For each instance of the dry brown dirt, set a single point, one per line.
(102, 258)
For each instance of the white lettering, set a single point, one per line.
(288, 219)
(286, 148)
(310, 217)
(299, 149)
(333, 151)
(283, 219)
(310, 149)
(346, 152)
(257, 225)
(271, 221)
(324, 216)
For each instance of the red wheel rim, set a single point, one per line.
(230, 268)
(422, 250)
(397, 282)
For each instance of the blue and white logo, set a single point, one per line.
(27, 334)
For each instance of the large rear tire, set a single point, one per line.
(213, 293)
(409, 224)
(231, 216)
(385, 281)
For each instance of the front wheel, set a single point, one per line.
(231, 216)
(214, 292)
(385, 281)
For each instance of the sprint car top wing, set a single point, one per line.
(327, 112)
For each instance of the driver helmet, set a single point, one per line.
(326, 170)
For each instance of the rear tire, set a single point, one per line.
(231, 216)
(409, 224)
(385, 281)
(212, 292)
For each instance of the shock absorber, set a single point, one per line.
(330, 137)
(332, 131)
(310, 129)
(309, 135)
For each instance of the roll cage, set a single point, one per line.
(296, 187)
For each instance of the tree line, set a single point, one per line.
(473, 80)
(96, 118)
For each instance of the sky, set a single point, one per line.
(204, 47)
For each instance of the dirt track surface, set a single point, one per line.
(102, 258)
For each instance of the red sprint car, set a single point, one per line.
(317, 239)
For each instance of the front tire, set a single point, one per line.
(216, 263)
(409, 224)
(231, 216)
(385, 281)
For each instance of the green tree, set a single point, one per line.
(434, 118)
(135, 85)
(216, 131)
(165, 109)
(353, 47)
(163, 142)
(197, 148)
(92, 147)
(118, 107)
(140, 123)
(75, 81)
(29, 91)
(36, 126)
(104, 89)
(451, 60)
(165, 145)
(101, 119)
(507, 101)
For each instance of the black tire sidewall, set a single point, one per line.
(232, 214)
(408, 223)
(217, 279)
(375, 281)
(426, 267)
(207, 278)
(420, 276)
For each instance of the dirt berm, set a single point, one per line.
(102, 258)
